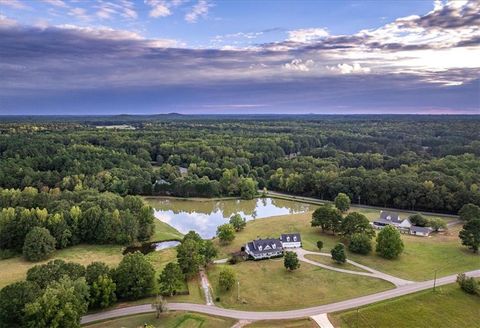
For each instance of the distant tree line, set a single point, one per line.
(417, 164)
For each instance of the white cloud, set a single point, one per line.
(199, 10)
(7, 22)
(355, 68)
(56, 3)
(159, 8)
(307, 34)
(299, 65)
(14, 4)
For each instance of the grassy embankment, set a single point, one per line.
(267, 286)
(447, 307)
(421, 257)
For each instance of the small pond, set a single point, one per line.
(146, 248)
(204, 216)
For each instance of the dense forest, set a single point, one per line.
(422, 163)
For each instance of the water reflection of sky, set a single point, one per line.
(204, 217)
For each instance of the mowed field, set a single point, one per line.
(167, 320)
(447, 307)
(421, 256)
(268, 286)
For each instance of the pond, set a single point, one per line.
(204, 216)
(151, 247)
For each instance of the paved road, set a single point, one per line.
(301, 313)
(371, 272)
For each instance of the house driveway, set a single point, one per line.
(371, 272)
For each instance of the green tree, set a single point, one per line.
(226, 278)
(356, 223)
(238, 222)
(418, 220)
(290, 261)
(360, 243)
(171, 279)
(95, 270)
(389, 243)
(226, 233)
(320, 245)
(45, 274)
(12, 302)
(470, 234)
(209, 251)
(39, 244)
(469, 212)
(190, 256)
(102, 292)
(436, 224)
(342, 202)
(327, 217)
(468, 284)
(338, 253)
(61, 305)
(248, 188)
(134, 276)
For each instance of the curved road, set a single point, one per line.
(252, 315)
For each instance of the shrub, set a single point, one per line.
(338, 253)
(360, 243)
(320, 245)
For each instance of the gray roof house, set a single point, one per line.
(291, 240)
(391, 218)
(264, 248)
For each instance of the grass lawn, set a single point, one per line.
(422, 255)
(448, 307)
(15, 269)
(167, 320)
(165, 231)
(328, 261)
(267, 286)
(294, 323)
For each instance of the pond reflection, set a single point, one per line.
(204, 216)
(150, 247)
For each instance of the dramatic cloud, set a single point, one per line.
(414, 64)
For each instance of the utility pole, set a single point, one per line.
(435, 280)
(238, 291)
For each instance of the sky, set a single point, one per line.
(250, 57)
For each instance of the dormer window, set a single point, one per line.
(274, 246)
(288, 238)
(389, 218)
(260, 247)
(294, 238)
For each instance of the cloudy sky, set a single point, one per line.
(207, 56)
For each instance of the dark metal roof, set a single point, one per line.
(390, 216)
(290, 237)
(260, 246)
